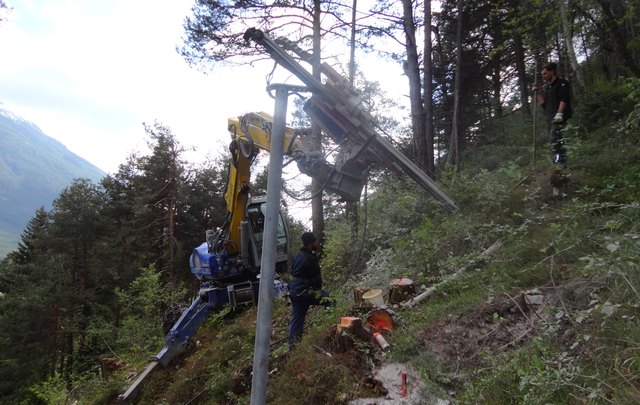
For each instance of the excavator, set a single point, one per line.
(228, 262)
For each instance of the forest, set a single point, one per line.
(88, 295)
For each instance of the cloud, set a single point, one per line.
(89, 73)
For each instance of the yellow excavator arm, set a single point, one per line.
(249, 133)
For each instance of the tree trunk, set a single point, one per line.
(496, 84)
(67, 370)
(616, 33)
(568, 39)
(352, 206)
(171, 231)
(428, 162)
(521, 69)
(54, 335)
(317, 208)
(352, 44)
(454, 151)
(412, 70)
(444, 89)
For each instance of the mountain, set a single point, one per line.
(34, 169)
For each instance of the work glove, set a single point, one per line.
(557, 119)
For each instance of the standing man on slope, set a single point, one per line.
(556, 103)
(305, 288)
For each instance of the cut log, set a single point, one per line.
(358, 292)
(431, 290)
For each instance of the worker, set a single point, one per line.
(556, 103)
(305, 288)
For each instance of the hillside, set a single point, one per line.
(533, 295)
(547, 315)
(34, 168)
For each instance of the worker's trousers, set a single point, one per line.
(556, 138)
(300, 304)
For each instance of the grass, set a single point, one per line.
(474, 341)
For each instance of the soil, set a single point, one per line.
(456, 342)
(390, 376)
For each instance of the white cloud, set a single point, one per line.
(90, 72)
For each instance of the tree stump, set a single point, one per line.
(382, 319)
(358, 292)
(400, 290)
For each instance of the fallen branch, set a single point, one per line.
(431, 290)
(517, 339)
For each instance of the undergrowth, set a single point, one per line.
(473, 341)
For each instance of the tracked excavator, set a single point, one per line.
(228, 262)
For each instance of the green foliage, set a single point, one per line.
(511, 135)
(484, 191)
(534, 375)
(51, 391)
(341, 251)
(144, 304)
(605, 103)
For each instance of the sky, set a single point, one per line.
(90, 73)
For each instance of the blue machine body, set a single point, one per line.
(207, 266)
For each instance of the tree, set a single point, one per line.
(27, 245)
(76, 235)
(428, 154)
(163, 181)
(215, 34)
(126, 243)
(3, 7)
(454, 148)
(25, 355)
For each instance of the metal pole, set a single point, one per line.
(268, 261)
(535, 116)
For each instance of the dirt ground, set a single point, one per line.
(390, 376)
(456, 342)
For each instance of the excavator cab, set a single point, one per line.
(256, 215)
(210, 262)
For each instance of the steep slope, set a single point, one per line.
(549, 317)
(34, 168)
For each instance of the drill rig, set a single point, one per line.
(337, 108)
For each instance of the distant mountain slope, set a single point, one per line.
(34, 169)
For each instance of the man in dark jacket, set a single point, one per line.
(305, 288)
(556, 103)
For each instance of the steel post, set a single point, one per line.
(268, 261)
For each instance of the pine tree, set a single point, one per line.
(27, 245)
